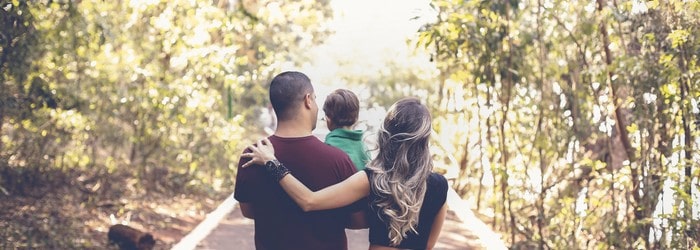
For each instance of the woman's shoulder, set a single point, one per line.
(435, 195)
(437, 185)
(369, 171)
(437, 179)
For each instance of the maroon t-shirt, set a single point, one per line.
(279, 222)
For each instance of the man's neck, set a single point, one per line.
(291, 130)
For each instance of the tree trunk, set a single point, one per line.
(488, 139)
(481, 150)
(508, 82)
(684, 104)
(621, 125)
(540, 121)
(463, 161)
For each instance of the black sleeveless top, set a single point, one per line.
(435, 196)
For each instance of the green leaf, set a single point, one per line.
(678, 37)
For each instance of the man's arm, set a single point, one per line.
(247, 210)
(245, 186)
(357, 220)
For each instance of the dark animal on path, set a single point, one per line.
(129, 238)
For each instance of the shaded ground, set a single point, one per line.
(65, 215)
(235, 231)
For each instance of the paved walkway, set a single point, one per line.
(226, 228)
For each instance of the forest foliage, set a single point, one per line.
(141, 84)
(575, 123)
(112, 96)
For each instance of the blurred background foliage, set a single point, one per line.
(141, 85)
(574, 123)
(566, 124)
(116, 97)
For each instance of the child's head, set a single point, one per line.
(342, 108)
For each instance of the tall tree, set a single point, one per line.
(603, 93)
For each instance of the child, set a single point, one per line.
(342, 109)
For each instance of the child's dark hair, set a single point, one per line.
(342, 107)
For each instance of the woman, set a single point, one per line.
(406, 200)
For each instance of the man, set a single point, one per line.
(279, 222)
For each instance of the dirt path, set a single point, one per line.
(235, 231)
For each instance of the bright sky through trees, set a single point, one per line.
(367, 34)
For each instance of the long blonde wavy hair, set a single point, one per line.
(402, 166)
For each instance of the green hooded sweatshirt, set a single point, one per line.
(350, 141)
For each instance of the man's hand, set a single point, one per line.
(247, 210)
(260, 153)
(357, 220)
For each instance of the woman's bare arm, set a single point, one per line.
(437, 226)
(338, 195)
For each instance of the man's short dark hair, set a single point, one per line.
(342, 107)
(287, 90)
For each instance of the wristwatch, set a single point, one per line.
(271, 165)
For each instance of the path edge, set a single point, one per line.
(191, 240)
(461, 208)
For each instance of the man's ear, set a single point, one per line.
(308, 101)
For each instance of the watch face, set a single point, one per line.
(272, 164)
